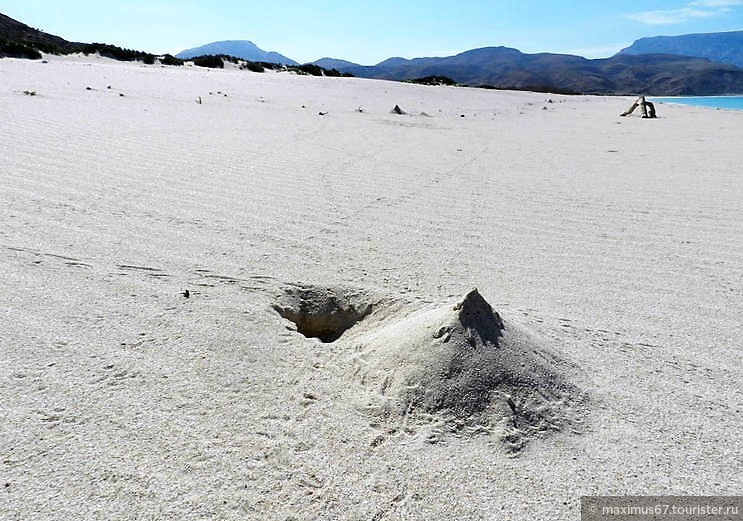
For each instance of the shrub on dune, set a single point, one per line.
(18, 50)
(209, 61)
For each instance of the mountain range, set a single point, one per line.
(503, 67)
(697, 64)
(701, 64)
(724, 47)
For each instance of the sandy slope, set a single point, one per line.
(617, 241)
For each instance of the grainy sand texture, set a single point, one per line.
(599, 354)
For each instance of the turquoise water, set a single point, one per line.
(716, 102)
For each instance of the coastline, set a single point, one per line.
(729, 102)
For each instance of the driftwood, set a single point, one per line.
(647, 108)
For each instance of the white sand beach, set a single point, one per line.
(611, 248)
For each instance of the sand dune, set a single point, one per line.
(461, 369)
(612, 244)
(453, 369)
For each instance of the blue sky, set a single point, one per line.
(372, 31)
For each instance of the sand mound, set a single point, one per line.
(462, 365)
(324, 312)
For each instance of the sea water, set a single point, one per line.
(715, 102)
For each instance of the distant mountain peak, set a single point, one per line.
(395, 60)
(244, 49)
(334, 63)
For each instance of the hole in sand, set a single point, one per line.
(323, 312)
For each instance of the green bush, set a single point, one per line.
(253, 67)
(309, 68)
(271, 66)
(117, 53)
(171, 60)
(18, 50)
(229, 58)
(316, 70)
(210, 61)
(434, 80)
